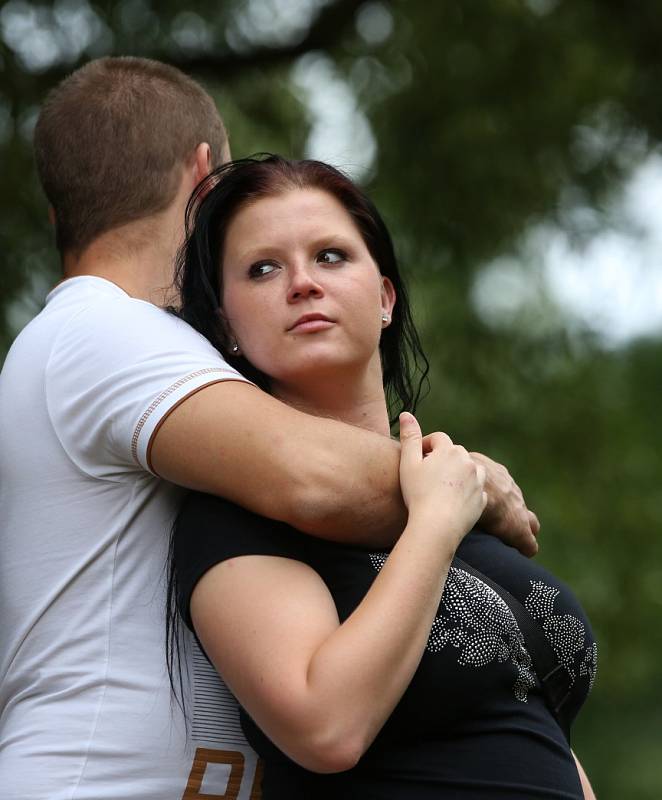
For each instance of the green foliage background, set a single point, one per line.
(480, 112)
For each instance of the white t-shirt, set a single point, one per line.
(86, 711)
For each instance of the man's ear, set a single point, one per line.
(202, 161)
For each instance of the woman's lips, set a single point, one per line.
(311, 324)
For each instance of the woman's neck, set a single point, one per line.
(356, 401)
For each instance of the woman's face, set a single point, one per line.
(301, 293)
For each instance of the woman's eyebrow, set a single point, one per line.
(321, 242)
(335, 240)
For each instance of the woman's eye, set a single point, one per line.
(261, 269)
(331, 256)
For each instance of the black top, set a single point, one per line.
(472, 723)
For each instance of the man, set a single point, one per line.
(106, 402)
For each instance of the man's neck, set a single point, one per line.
(139, 258)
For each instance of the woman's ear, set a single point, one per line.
(229, 339)
(388, 300)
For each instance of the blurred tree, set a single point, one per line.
(474, 122)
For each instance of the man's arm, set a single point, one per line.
(506, 515)
(319, 475)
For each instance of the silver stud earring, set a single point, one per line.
(235, 349)
(386, 318)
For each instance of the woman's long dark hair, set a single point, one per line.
(213, 205)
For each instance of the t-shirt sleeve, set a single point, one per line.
(210, 529)
(116, 370)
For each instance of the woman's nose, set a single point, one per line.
(303, 285)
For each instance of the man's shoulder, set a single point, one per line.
(109, 368)
(101, 302)
(97, 318)
(90, 308)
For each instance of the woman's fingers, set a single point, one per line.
(410, 440)
(432, 441)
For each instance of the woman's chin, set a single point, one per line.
(315, 373)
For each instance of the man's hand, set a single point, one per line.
(506, 514)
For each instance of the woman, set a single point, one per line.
(361, 674)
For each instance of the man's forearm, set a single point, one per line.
(319, 475)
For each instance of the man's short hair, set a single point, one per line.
(111, 142)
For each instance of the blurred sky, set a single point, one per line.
(609, 281)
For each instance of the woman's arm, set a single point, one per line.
(589, 794)
(320, 690)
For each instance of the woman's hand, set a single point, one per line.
(440, 481)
